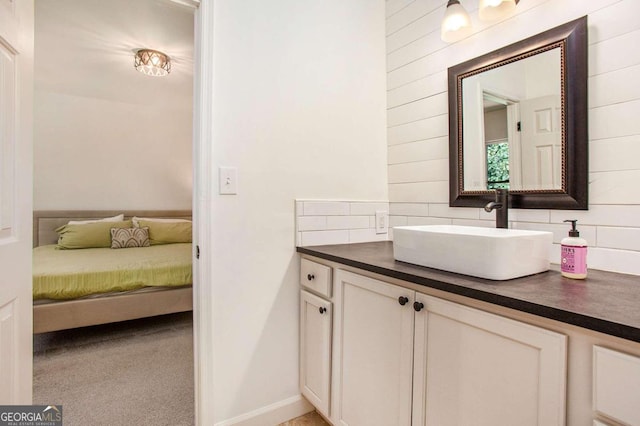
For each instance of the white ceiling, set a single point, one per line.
(85, 48)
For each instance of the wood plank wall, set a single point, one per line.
(417, 120)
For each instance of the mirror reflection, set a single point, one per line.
(512, 117)
(512, 122)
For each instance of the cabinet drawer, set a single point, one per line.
(616, 385)
(316, 277)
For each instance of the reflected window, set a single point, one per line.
(498, 165)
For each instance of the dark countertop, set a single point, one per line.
(606, 302)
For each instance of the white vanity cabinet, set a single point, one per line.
(373, 352)
(404, 358)
(616, 385)
(476, 368)
(315, 350)
(316, 328)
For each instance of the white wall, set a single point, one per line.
(299, 109)
(105, 135)
(417, 62)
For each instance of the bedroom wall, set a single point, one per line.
(417, 62)
(105, 135)
(299, 109)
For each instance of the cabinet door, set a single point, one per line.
(373, 351)
(315, 350)
(476, 368)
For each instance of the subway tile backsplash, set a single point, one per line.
(320, 222)
(613, 232)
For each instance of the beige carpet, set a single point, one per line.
(133, 373)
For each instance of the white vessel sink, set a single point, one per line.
(495, 254)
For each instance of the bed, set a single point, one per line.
(73, 308)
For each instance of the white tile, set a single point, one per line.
(532, 215)
(312, 223)
(368, 208)
(347, 222)
(622, 261)
(469, 222)
(419, 221)
(299, 208)
(397, 221)
(443, 210)
(365, 235)
(328, 208)
(559, 231)
(298, 239)
(409, 209)
(619, 238)
(485, 215)
(554, 254)
(318, 238)
(606, 215)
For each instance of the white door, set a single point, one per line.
(541, 143)
(315, 350)
(373, 351)
(473, 368)
(16, 92)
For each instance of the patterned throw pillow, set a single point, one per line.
(129, 237)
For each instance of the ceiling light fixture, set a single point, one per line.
(456, 23)
(152, 62)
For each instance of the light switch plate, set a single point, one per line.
(382, 222)
(228, 180)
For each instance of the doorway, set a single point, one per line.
(99, 123)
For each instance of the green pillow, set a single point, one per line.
(167, 232)
(88, 235)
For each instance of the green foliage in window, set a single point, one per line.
(498, 165)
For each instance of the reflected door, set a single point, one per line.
(541, 143)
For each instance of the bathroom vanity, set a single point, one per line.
(384, 342)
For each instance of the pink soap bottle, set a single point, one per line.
(573, 254)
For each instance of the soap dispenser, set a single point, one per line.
(573, 253)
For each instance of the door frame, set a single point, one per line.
(202, 177)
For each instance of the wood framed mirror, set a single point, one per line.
(518, 119)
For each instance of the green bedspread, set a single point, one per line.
(69, 274)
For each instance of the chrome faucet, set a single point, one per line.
(501, 206)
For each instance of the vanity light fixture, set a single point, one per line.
(152, 62)
(490, 10)
(456, 23)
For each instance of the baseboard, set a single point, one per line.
(273, 414)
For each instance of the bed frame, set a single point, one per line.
(85, 312)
